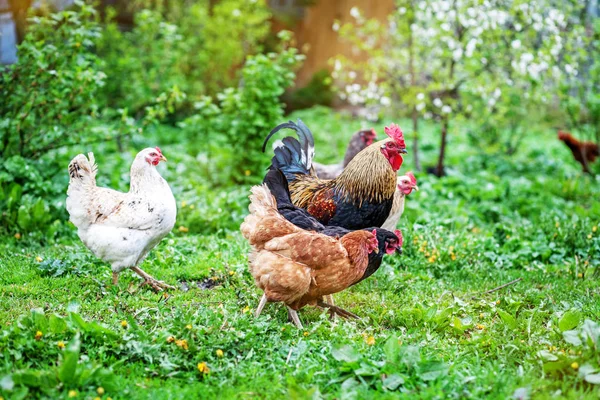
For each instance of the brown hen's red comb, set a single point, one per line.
(395, 133)
(412, 178)
(400, 238)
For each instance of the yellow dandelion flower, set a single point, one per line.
(203, 368)
(38, 335)
(590, 236)
(39, 259)
(97, 398)
(497, 301)
(100, 390)
(124, 324)
(192, 206)
(575, 365)
(305, 333)
(219, 353)
(594, 228)
(183, 229)
(61, 344)
(480, 315)
(189, 326)
(170, 339)
(183, 204)
(370, 341)
(231, 273)
(557, 224)
(451, 249)
(109, 398)
(246, 309)
(214, 278)
(247, 172)
(554, 348)
(72, 393)
(480, 327)
(182, 343)
(508, 236)
(282, 328)
(17, 236)
(580, 275)
(453, 257)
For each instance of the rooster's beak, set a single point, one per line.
(403, 151)
(163, 158)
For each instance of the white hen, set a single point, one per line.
(406, 184)
(122, 228)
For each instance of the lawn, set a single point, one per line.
(432, 326)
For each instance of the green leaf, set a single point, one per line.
(593, 379)
(546, 355)
(410, 355)
(391, 349)
(68, 368)
(57, 324)
(569, 320)
(508, 319)
(572, 337)
(393, 382)
(431, 370)
(345, 353)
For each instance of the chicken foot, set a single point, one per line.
(337, 310)
(149, 280)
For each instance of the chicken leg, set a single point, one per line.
(294, 316)
(337, 310)
(261, 305)
(149, 280)
(115, 278)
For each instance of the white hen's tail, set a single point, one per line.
(82, 183)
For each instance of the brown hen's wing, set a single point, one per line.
(312, 249)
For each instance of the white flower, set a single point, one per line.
(356, 87)
(355, 12)
(497, 92)
(437, 102)
(385, 101)
(352, 75)
(402, 10)
(518, 27)
(446, 109)
(420, 106)
(427, 115)
(420, 96)
(516, 44)
(445, 26)
(491, 102)
(236, 13)
(469, 108)
(457, 54)
(335, 26)
(337, 65)
(470, 47)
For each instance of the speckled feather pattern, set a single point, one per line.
(120, 228)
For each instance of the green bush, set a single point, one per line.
(245, 114)
(48, 97)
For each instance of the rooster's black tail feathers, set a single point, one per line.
(293, 156)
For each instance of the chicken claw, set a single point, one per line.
(294, 316)
(149, 280)
(337, 310)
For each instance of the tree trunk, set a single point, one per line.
(19, 10)
(415, 121)
(440, 166)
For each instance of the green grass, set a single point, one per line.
(427, 329)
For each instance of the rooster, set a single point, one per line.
(359, 141)
(361, 196)
(122, 228)
(300, 267)
(583, 152)
(406, 184)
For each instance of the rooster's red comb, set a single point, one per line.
(400, 238)
(412, 178)
(395, 133)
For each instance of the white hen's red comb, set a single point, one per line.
(395, 133)
(412, 178)
(158, 149)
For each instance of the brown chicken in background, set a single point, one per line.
(299, 267)
(358, 142)
(583, 152)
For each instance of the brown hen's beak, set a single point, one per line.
(398, 250)
(376, 250)
(163, 158)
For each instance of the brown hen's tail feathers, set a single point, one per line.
(262, 201)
